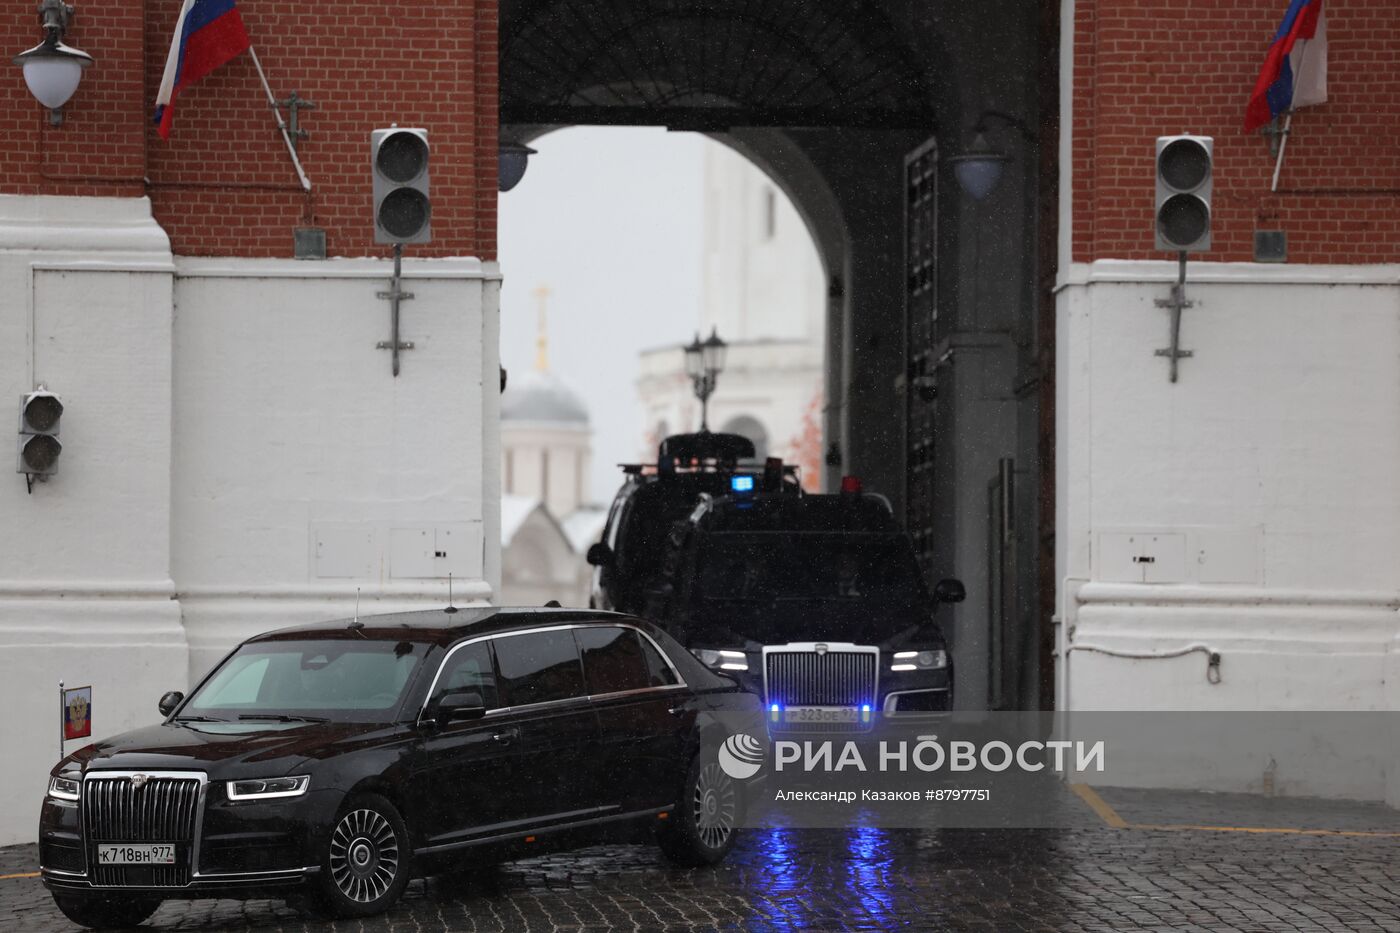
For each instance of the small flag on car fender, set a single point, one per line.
(77, 713)
(207, 34)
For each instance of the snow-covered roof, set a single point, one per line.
(585, 526)
(514, 511)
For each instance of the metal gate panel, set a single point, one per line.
(921, 340)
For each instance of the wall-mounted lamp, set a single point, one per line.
(512, 160)
(979, 168)
(51, 69)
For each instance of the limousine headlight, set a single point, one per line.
(919, 660)
(269, 788)
(65, 788)
(722, 659)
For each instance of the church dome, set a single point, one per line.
(539, 395)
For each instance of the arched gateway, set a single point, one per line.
(938, 355)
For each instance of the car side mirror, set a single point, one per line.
(460, 705)
(949, 591)
(169, 701)
(599, 555)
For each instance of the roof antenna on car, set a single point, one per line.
(554, 604)
(356, 623)
(450, 607)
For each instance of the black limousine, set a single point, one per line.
(329, 764)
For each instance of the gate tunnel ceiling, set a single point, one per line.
(708, 65)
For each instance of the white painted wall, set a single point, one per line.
(303, 469)
(1263, 483)
(85, 586)
(237, 457)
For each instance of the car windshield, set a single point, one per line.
(328, 680)
(807, 565)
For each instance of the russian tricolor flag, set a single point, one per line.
(1294, 75)
(207, 34)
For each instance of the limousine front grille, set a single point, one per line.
(834, 677)
(162, 809)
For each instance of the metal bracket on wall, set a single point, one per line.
(1275, 134)
(1177, 303)
(294, 129)
(394, 295)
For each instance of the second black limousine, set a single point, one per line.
(331, 763)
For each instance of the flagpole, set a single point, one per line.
(1288, 122)
(277, 114)
(1282, 145)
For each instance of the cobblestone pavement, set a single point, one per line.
(1093, 878)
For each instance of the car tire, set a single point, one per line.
(702, 828)
(365, 864)
(106, 912)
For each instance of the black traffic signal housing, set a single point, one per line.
(1185, 174)
(402, 208)
(40, 412)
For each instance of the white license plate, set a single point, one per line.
(136, 855)
(820, 714)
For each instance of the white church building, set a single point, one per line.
(546, 521)
(762, 291)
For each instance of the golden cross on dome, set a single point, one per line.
(542, 293)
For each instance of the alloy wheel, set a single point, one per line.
(716, 806)
(364, 856)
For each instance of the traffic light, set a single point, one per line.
(1183, 192)
(39, 414)
(402, 210)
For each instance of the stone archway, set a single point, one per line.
(828, 97)
(709, 65)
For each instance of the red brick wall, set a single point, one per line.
(223, 184)
(1146, 68)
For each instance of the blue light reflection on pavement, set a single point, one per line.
(869, 878)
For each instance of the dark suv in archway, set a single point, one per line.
(628, 560)
(331, 763)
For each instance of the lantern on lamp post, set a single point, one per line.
(704, 360)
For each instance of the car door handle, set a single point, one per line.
(505, 736)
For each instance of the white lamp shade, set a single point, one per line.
(694, 358)
(52, 70)
(978, 176)
(714, 353)
(52, 80)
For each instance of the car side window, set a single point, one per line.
(659, 673)
(538, 667)
(469, 670)
(612, 659)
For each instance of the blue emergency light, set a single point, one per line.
(741, 483)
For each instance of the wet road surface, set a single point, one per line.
(1253, 872)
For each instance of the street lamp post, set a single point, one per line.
(704, 359)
